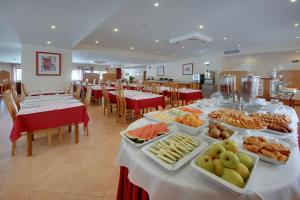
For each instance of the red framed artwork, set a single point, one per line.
(48, 64)
(188, 69)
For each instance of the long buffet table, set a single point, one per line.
(141, 178)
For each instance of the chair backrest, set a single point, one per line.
(78, 91)
(88, 95)
(24, 90)
(121, 101)
(15, 97)
(194, 86)
(69, 90)
(155, 88)
(10, 104)
(174, 96)
(105, 94)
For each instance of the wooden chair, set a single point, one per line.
(69, 90)
(138, 86)
(194, 86)
(107, 105)
(78, 92)
(88, 96)
(122, 111)
(13, 112)
(24, 90)
(15, 97)
(155, 88)
(174, 95)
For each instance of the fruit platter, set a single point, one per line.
(146, 134)
(174, 150)
(226, 165)
(190, 123)
(191, 110)
(217, 132)
(268, 150)
(177, 112)
(276, 123)
(237, 119)
(161, 117)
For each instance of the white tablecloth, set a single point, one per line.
(271, 182)
(137, 95)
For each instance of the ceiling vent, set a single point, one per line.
(191, 36)
(233, 51)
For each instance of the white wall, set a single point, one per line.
(34, 82)
(263, 63)
(174, 69)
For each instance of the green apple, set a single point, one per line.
(243, 171)
(229, 159)
(206, 163)
(230, 145)
(245, 159)
(233, 177)
(215, 150)
(219, 168)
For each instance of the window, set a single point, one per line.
(18, 74)
(76, 75)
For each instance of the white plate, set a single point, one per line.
(181, 162)
(149, 116)
(138, 144)
(211, 139)
(267, 159)
(189, 129)
(223, 183)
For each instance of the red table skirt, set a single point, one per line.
(137, 105)
(97, 94)
(127, 190)
(186, 96)
(49, 119)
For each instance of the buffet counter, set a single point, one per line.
(270, 181)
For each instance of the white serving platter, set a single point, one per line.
(181, 162)
(223, 183)
(189, 129)
(150, 116)
(211, 139)
(139, 144)
(270, 160)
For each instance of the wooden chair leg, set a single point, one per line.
(87, 130)
(13, 148)
(76, 133)
(29, 143)
(70, 128)
(59, 135)
(49, 136)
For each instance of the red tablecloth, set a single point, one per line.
(97, 94)
(137, 105)
(49, 119)
(191, 96)
(127, 190)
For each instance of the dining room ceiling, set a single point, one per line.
(136, 31)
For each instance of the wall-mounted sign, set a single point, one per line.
(160, 71)
(187, 69)
(48, 64)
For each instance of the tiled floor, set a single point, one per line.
(65, 171)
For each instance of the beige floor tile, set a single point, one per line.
(37, 195)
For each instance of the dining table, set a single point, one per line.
(138, 100)
(186, 95)
(97, 91)
(46, 112)
(45, 92)
(142, 178)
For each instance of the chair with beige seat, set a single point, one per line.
(15, 97)
(174, 95)
(78, 91)
(13, 112)
(24, 90)
(122, 111)
(107, 105)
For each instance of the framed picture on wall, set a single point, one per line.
(160, 70)
(188, 69)
(48, 64)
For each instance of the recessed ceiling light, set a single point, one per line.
(201, 26)
(296, 25)
(298, 51)
(157, 40)
(239, 45)
(96, 41)
(48, 42)
(172, 33)
(182, 47)
(156, 4)
(293, 1)
(225, 38)
(298, 37)
(175, 55)
(132, 48)
(116, 29)
(53, 27)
